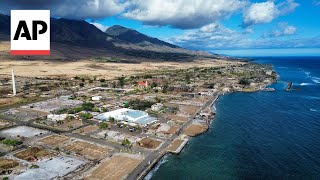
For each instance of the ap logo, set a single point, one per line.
(30, 32)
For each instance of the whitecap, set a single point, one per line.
(316, 80)
(314, 110)
(306, 84)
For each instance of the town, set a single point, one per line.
(86, 126)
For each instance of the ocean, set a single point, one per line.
(262, 135)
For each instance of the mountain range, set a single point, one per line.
(76, 39)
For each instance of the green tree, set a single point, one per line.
(121, 81)
(103, 125)
(126, 142)
(86, 116)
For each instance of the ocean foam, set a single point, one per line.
(316, 80)
(162, 161)
(306, 84)
(314, 110)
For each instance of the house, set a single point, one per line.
(156, 107)
(143, 84)
(96, 98)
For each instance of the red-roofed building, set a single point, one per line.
(143, 84)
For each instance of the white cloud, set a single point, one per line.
(282, 29)
(102, 27)
(185, 14)
(259, 13)
(287, 7)
(265, 12)
(215, 36)
(72, 9)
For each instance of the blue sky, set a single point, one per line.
(210, 25)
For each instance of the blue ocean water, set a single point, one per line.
(261, 135)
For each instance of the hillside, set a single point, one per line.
(74, 39)
(135, 37)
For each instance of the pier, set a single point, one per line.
(289, 86)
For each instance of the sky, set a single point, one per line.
(289, 26)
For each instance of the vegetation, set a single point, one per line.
(126, 143)
(244, 81)
(138, 104)
(112, 120)
(34, 166)
(87, 106)
(103, 125)
(10, 142)
(121, 81)
(86, 116)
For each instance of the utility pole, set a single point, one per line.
(14, 91)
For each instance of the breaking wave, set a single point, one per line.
(306, 84)
(150, 174)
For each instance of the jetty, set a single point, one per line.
(289, 86)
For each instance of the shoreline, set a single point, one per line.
(159, 160)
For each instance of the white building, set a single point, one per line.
(57, 117)
(96, 98)
(156, 107)
(127, 115)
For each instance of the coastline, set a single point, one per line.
(157, 163)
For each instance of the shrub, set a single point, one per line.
(112, 120)
(126, 142)
(87, 106)
(10, 142)
(34, 166)
(95, 109)
(103, 125)
(86, 116)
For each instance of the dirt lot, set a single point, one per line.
(195, 129)
(119, 165)
(24, 114)
(178, 118)
(175, 144)
(69, 125)
(91, 151)
(54, 140)
(189, 110)
(8, 163)
(33, 154)
(87, 130)
(149, 143)
(8, 101)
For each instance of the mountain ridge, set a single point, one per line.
(117, 40)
